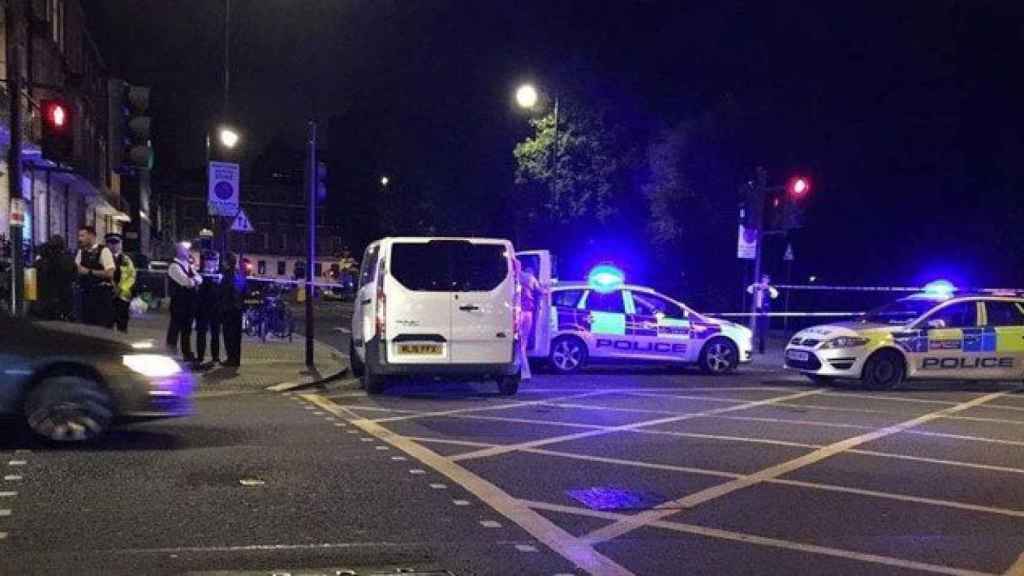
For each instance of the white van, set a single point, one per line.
(436, 307)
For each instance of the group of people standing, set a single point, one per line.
(104, 274)
(209, 299)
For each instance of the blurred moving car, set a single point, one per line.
(72, 383)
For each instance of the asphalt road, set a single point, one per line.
(619, 471)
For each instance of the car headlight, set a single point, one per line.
(152, 365)
(845, 342)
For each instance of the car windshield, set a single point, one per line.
(899, 312)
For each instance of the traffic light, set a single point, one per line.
(798, 187)
(130, 127)
(58, 134)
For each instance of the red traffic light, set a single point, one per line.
(798, 186)
(57, 115)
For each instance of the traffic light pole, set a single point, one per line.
(13, 16)
(311, 187)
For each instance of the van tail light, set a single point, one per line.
(382, 309)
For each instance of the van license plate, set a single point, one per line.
(420, 349)
(798, 355)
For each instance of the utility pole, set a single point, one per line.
(13, 18)
(759, 197)
(311, 186)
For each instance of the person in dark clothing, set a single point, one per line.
(55, 271)
(95, 279)
(208, 308)
(232, 301)
(184, 281)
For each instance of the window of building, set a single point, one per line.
(282, 267)
(318, 269)
(261, 267)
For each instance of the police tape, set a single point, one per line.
(782, 314)
(835, 288)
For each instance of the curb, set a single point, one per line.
(289, 386)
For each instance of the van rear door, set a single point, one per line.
(482, 307)
(418, 295)
(538, 344)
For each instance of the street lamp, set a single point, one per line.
(228, 137)
(384, 181)
(526, 96)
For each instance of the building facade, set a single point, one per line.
(58, 58)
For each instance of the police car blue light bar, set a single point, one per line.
(605, 278)
(943, 288)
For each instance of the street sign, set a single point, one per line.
(788, 256)
(746, 243)
(222, 198)
(18, 209)
(241, 223)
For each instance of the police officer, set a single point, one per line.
(124, 282)
(208, 312)
(232, 301)
(184, 281)
(763, 293)
(95, 265)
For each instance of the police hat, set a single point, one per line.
(112, 237)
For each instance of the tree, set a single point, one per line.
(568, 181)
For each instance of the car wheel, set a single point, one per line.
(883, 370)
(373, 383)
(354, 363)
(568, 354)
(69, 409)
(509, 385)
(719, 356)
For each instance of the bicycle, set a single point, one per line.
(268, 314)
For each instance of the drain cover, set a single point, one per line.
(611, 498)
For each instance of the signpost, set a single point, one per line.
(241, 223)
(222, 197)
(746, 243)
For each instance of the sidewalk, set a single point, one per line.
(264, 364)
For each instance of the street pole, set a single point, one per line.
(759, 197)
(13, 17)
(311, 184)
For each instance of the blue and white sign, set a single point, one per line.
(222, 179)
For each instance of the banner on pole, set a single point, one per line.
(222, 198)
(746, 244)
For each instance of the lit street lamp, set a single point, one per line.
(526, 96)
(384, 181)
(228, 137)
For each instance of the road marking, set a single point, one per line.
(638, 464)
(353, 431)
(490, 524)
(398, 458)
(17, 463)
(890, 398)
(340, 424)
(366, 439)
(706, 398)
(8, 494)
(460, 502)
(765, 541)
(1005, 407)
(453, 442)
(417, 471)
(5, 512)
(838, 409)
(488, 452)
(382, 448)
(957, 463)
(551, 535)
(966, 437)
(526, 548)
(991, 420)
(789, 421)
(3, 535)
(502, 406)
(12, 477)
(668, 391)
(703, 496)
(438, 486)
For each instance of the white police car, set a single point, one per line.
(605, 319)
(932, 335)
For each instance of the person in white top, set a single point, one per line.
(763, 293)
(184, 282)
(95, 265)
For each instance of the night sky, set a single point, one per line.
(905, 114)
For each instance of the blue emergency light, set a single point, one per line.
(605, 278)
(940, 288)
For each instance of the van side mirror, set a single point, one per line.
(936, 323)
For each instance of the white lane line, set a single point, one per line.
(438, 486)
(669, 391)
(966, 437)
(399, 458)
(637, 464)
(526, 548)
(548, 533)
(352, 431)
(17, 463)
(417, 471)
(460, 502)
(487, 452)
(490, 524)
(838, 409)
(3, 535)
(889, 398)
(789, 421)
(1005, 407)
(990, 420)
(366, 439)
(764, 541)
(453, 442)
(489, 407)
(703, 496)
(5, 512)
(957, 463)
(8, 494)
(382, 448)
(707, 398)
(12, 478)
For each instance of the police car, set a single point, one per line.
(935, 334)
(605, 319)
